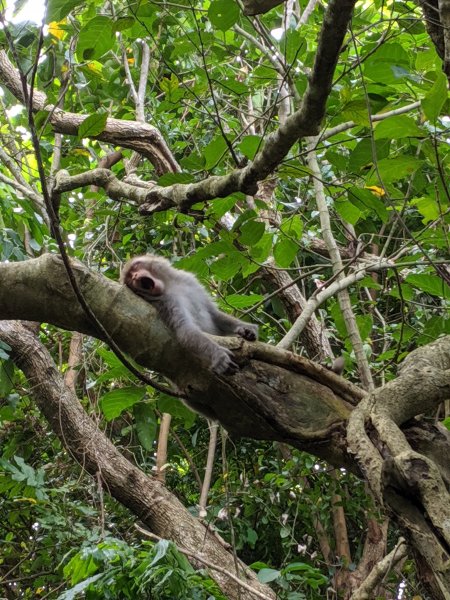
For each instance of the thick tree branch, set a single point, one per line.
(304, 122)
(367, 590)
(413, 485)
(145, 496)
(275, 395)
(140, 137)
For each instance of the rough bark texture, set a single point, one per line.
(275, 395)
(145, 496)
(406, 472)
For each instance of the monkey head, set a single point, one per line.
(144, 276)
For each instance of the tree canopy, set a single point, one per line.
(293, 155)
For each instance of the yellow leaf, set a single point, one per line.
(80, 152)
(32, 500)
(55, 30)
(94, 66)
(376, 190)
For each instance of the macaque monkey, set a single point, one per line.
(186, 309)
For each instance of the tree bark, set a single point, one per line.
(145, 496)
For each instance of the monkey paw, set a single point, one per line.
(248, 331)
(223, 363)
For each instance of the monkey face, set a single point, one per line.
(141, 279)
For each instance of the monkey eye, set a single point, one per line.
(147, 283)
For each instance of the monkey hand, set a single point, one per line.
(248, 331)
(223, 362)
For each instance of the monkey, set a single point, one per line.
(186, 309)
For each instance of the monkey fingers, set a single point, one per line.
(223, 362)
(248, 331)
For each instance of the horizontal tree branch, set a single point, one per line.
(140, 137)
(275, 394)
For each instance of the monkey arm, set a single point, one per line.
(229, 325)
(179, 320)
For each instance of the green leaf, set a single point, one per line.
(170, 86)
(146, 424)
(365, 325)
(394, 169)
(241, 301)
(75, 591)
(284, 252)
(95, 39)
(5, 349)
(252, 537)
(267, 575)
(227, 267)
(250, 145)
(221, 206)
(431, 284)
(171, 178)
(356, 111)
(6, 377)
(113, 403)
(446, 423)
(223, 14)
(398, 127)
(436, 98)
(58, 9)
(428, 208)
(389, 64)
(434, 327)
(362, 154)
(366, 200)
(123, 23)
(176, 408)
(233, 85)
(160, 549)
(293, 227)
(347, 210)
(263, 248)
(251, 232)
(214, 152)
(92, 125)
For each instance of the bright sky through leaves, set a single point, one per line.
(32, 11)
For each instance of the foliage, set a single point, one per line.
(113, 569)
(213, 93)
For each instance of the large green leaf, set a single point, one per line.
(146, 424)
(431, 284)
(394, 169)
(58, 9)
(396, 127)
(92, 125)
(223, 13)
(113, 403)
(434, 101)
(95, 38)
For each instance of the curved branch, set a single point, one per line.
(140, 137)
(145, 496)
(275, 394)
(304, 122)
